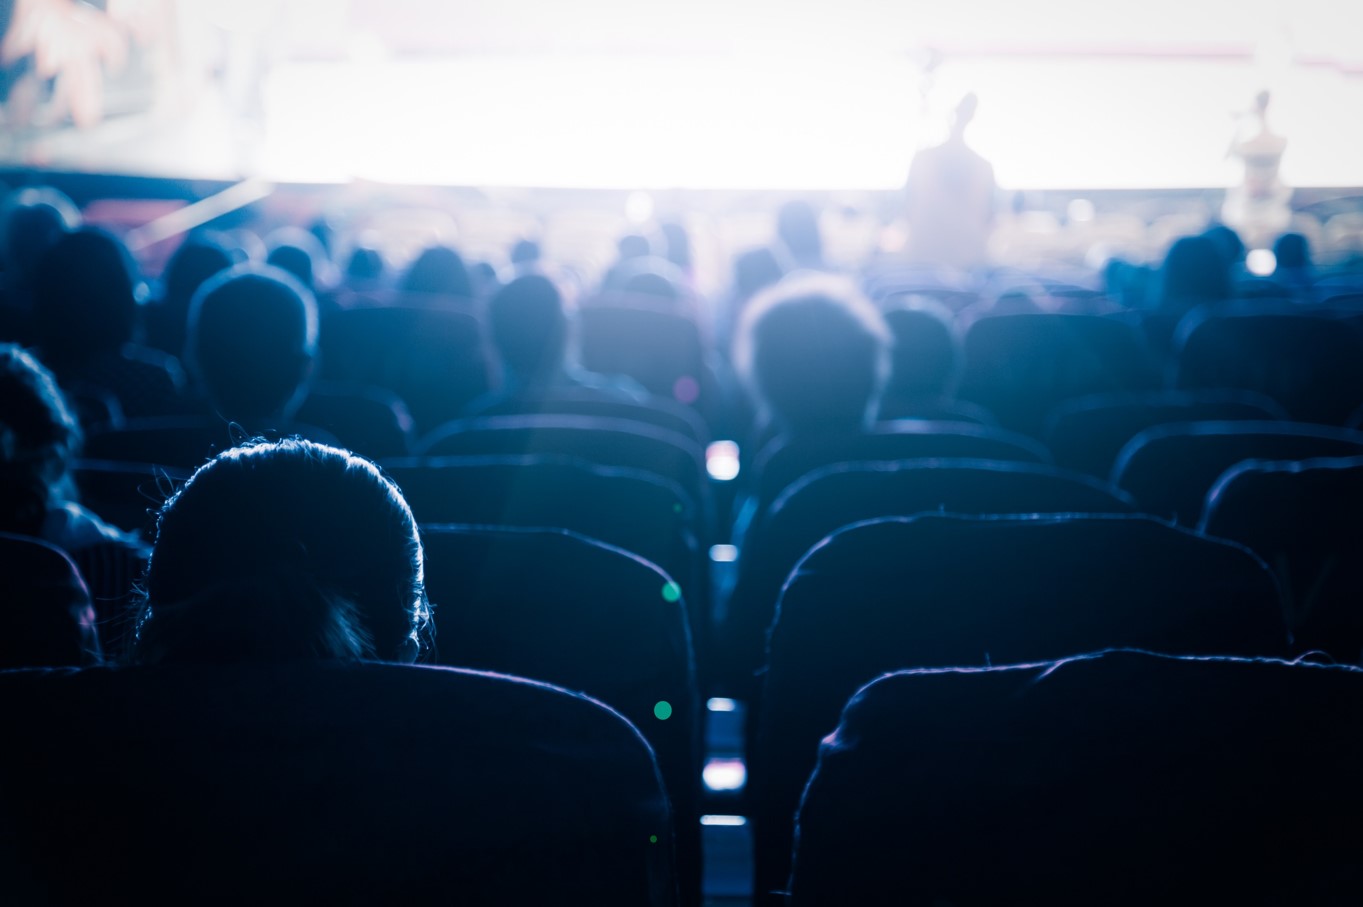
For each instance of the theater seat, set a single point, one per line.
(1088, 433)
(47, 618)
(1122, 779)
(323, 783)
(835, 496)
(660, 412)
(558, 607)
(1305, 519)
(950, 590)
(1169, 469)
(1310, 363)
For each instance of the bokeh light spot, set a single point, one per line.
(662, 710)
(686, 390)
(671, 592)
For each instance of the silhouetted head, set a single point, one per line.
(529, 326)
(677, 243)
(525, 252)
(797, 226)
(927, 354)
(252, 341)
(197, 259)
(633, 245)
(365, 265)
(284, 551)
(84, 301)
(1292, 251)
(31, 221)
(815, 352)
(298, 252)
(38, 437)
(1228, 243)
(439, 270)
(754, 270)
(1194, 272)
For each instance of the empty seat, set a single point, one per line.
(561, 608)
(660, 412)
(782, 461)
(1169, 469)
(1088, 433)
(1305, 519)
(369, 420)
(608, 442)
(1311, 364)
(1022, 366)
(952, 590)
(46, 618)
(433, 358)
(1125, 778)
(845, 493)
(631, 509)
(342, 783)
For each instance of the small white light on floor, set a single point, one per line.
(1261, 262)
(723, 820)
(721, 460)
(720, 705)
(723, 554)
(724, 774)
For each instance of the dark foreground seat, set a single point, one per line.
(1124, 779)
(951, 590)
(46, 618)
(1305, 519)
(323, 783)
(568, 610)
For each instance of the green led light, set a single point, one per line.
(662, 710)
(671, 592)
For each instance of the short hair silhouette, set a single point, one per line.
(31, 221)
(284, 551)
(525, 252)
(927, 355)
(38, 436)
(815, 352)
(439, 270)
(85, 301)
(193, 263)
(299, 252)
(365, 264)
(252, 341)
(529, 326)
(1292, 251)
(1195, 271)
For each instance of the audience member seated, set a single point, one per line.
(31, 222)
(799, 242)
(530, 330)
(85, 313)
(196, 260)
(438, 271)
(47, 620)
(284, 551)
(39, 439)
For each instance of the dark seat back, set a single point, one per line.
(1022, 366)
(660, 412)
(46, 618)
(371, 421)
(339, 783)
(126, 494)
(835, 496)
(1305, 519)
(1125, 778)
(562, 608)
(661, 350)
(1169, 469)
(1312, 365)
(955, 590)
(782, 461)
(607, 442)
(1088, 433)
